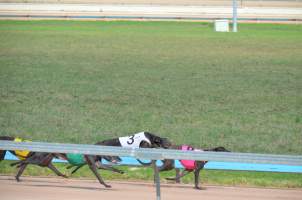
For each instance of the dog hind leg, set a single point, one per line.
(56, 171)
(2, 154)
(16, 163)
(179, 175)
(76, 169)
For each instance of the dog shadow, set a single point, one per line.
(70, 187)
(55, 184)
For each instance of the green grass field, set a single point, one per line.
(82, 82)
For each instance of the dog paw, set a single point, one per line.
(170, 179)
(199, 188)
(108, 186)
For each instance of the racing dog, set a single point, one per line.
(189, 165)
(93, 161)
(138, 140)
(45, 160)
(23, 155)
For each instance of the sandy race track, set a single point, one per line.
(53, 188)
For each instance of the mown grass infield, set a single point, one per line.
(82, 82)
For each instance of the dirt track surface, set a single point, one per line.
(54, 189)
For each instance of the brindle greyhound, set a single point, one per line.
(45, 160)
(189, 166)
(23, 155)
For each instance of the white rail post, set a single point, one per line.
(234, 15)
(156, 179)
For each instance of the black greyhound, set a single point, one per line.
(45, 160)
(189, 166)
(94, 162)
(23, 155)
(138, 140)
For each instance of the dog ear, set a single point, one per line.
(157, 140)
(166, 143)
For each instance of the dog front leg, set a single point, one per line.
(107, 167)
(20, 171)
(91, 163)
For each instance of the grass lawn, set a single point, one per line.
(82, 82)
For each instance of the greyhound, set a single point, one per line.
(189, 165)
(137, 140)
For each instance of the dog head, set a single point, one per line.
(158, 142)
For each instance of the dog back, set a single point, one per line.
(134, 141)
(75, 159)
(22, 155)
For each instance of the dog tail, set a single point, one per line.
(2, 154)
(218, 149)
(143, 163)
(6, 138)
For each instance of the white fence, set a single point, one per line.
(285, 11)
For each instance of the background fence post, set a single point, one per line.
(234, 15)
